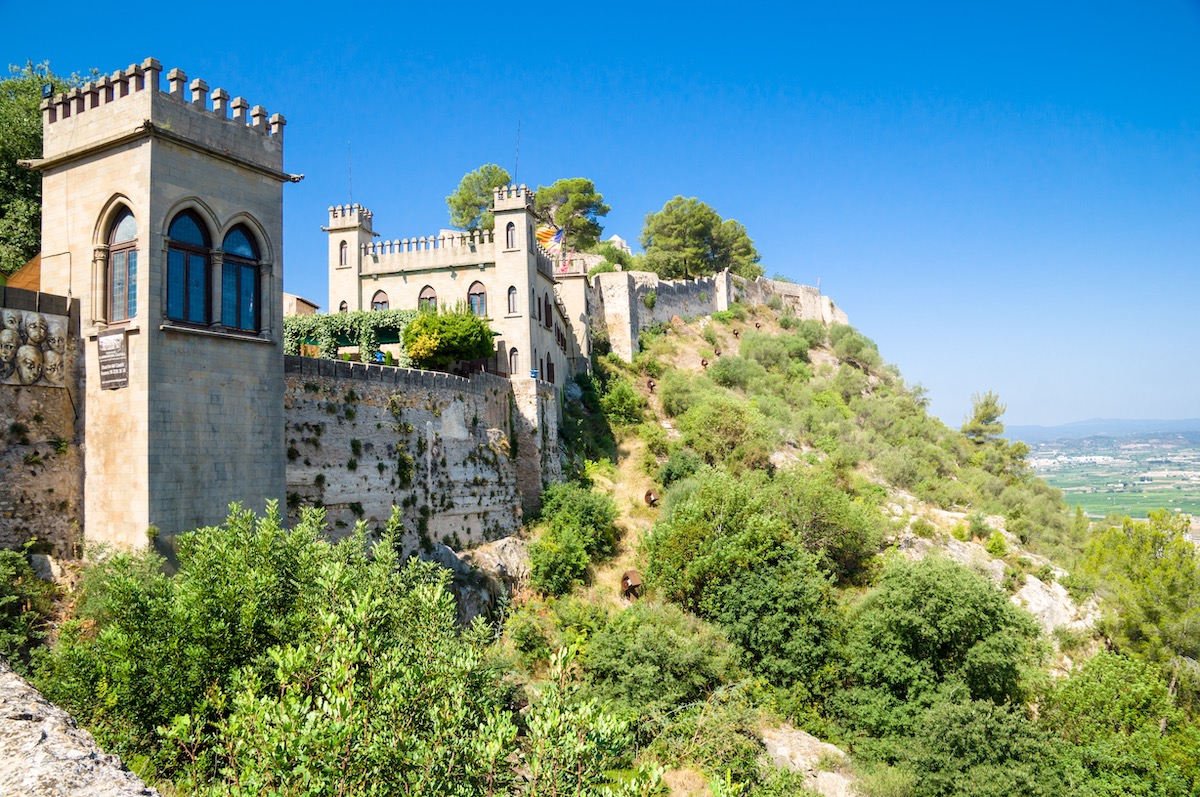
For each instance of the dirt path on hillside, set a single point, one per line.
(628, 490)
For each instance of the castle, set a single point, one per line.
(147, 388)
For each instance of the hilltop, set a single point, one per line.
(838, 593)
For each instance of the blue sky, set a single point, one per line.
(1005, 197)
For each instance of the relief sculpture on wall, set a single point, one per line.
(34, 348)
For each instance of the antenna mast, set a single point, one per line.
(517, 159)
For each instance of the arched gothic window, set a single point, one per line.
(512, 300)
(122, 268)
(344, 254)
(514, 362)
(549, 313)
(187, 269)
(239, 281)
(477, 299)
(379, 301)
(427, 301)
(510, 236)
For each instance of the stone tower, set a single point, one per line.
(349, 231)
(163, 214)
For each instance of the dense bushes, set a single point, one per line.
(25, 606)
(440, 339)
(931, 629)
(276, 663)
(578, 525)
(652, 657)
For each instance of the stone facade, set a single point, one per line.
(462, 458)
(503, 275)
(41, 425)
(199, 423)
(627, 302)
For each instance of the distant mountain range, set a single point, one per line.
(1111, 427)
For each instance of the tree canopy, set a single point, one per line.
(439, 340)
(984, 424)
(687, 238)
(574, 206)
(20, 138)
(1149, 574)
(470, 204)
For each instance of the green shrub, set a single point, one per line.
(931, 625)
(996, 546)
(603, 267)
(719, 424)
(439, 340)
(923, 528)
(621, 403)
(558, 561)
(735, 372)
(775, 352)
(680, 464)
(26, 603)
(679, 391)
(654, 657)
(590, 514)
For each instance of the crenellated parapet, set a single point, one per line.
(446, 250)
(512, 197)
(130, 102)
(342, 217)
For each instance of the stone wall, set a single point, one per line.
(41, 464)
(454, 454)
(623, 300)
(805, 301)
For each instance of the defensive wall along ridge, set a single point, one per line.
(463, 459)
(631, 301)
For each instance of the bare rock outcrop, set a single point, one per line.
(46, 754)
(798, 751)
(483, 575)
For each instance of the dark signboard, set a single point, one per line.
(114, 359)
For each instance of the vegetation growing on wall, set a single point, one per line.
(366, 329)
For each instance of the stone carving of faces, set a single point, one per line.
(29, 364)
(10, 341)
(35, 329)
(55, 369)
(56, 337)
(10, 319)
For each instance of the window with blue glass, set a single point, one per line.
(187, 270)
(239, 281)
(122, 268)
(477, 299)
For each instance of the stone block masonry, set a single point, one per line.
(625, 306)
(41, 426)
(459, 457)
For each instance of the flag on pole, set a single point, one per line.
(550, 239)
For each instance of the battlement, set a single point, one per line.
(343, 217)
(131, 100)
(447, 250)
(512, 197)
